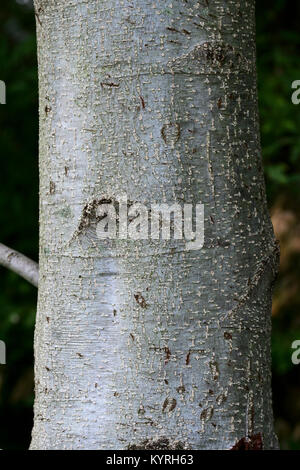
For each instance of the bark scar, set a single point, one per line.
(212, 56)
(271, 260)
(109, 84)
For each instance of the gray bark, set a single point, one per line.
(20, 264)
(143, 343)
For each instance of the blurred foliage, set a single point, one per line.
(278, 45)
(19, 216)
(278, 41)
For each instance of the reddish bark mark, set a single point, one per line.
(188, 358)
(143, 102)
(253, 442)
(168, 355)
(140, 300)
(227, 335)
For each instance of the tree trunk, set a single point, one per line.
(143, 343)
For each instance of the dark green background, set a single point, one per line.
(278, 47)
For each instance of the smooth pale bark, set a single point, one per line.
(20, 264)
(143, 343)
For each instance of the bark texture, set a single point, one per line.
(20, 264)
(142, 344)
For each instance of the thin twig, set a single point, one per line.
(20, 264)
